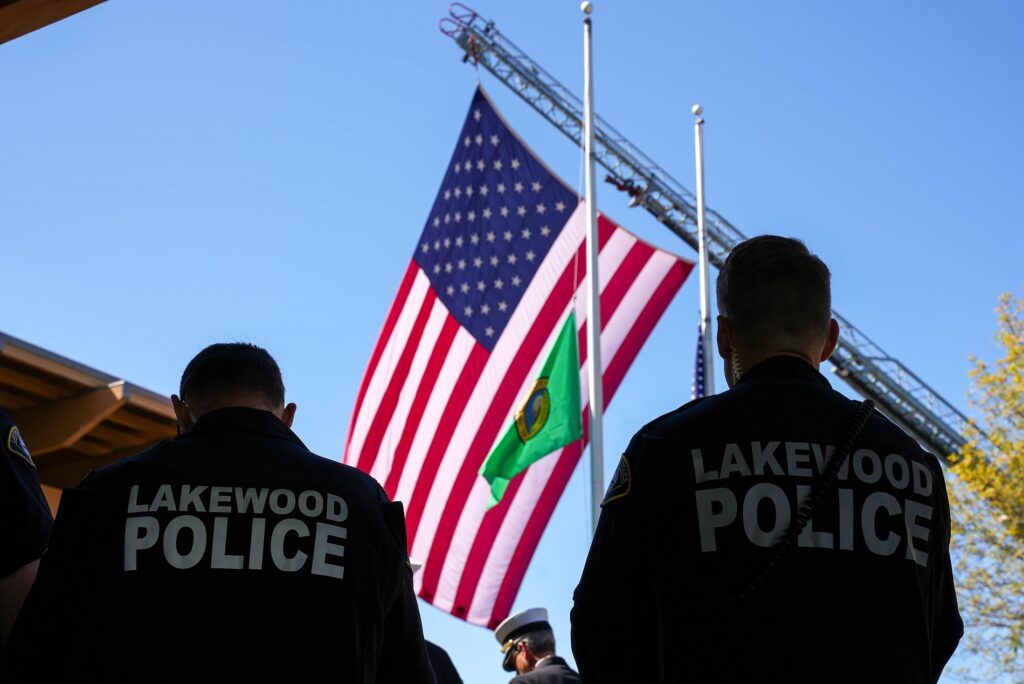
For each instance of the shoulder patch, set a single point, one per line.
(622, 482)
(16, 445)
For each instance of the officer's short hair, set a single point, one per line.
(540, 641)
(773, 290)
(227, 369)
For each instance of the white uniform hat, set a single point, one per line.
(519, 624)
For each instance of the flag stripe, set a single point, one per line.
(428, 381)
(389, 400)
(382, 340)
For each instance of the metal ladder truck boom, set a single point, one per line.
(903, 396)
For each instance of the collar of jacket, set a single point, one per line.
(235, 418)
(784, 367)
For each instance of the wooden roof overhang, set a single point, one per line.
(18, 17)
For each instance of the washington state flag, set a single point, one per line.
(547, 420)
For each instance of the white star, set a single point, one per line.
(497, 165)
(480, 285)
(517, 186)
(478, 262)
(448, 267)
(530, 256)
(535, 185)
(560, 206)
(468, 310)
(476, 114)
(501, 187)
(485, 309)
(425, 248)
(494, 140)
(490, 236)
(466, 141)
(502, 306)
(464, 287)
(480, 165)
(437, 221)
(447, 243)
(484, 190)
(459, 241)
(447, 194)
(458, 216)
(469, 191)
(512, 260)
(450, 290)
(458, 192)
(521, 211)
(479, 139)
(504, 212)
(474, 238)
(447, 218)
(516, 280)
(457, 167)
(467, 165)
(489, 331)
(508, 236)
(487, 212)
(541, 208)
(437, 244)
(545, 231)
(494, 261)
(499, 283)
(515, 164)
(526, 233)
(437, 268)
(471, 215)
(462, 264)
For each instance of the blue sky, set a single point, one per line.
(173, 174)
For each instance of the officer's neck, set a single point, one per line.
(751, 360)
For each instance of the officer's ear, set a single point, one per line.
(288, 415)
(831, 340)
(182, 413)
(724, 338)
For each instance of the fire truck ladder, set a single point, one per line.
(903, 396)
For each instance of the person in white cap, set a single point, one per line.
(528, 643)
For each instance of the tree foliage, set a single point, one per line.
(987, 492)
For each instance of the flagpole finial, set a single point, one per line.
(697, 110)
(586, 7)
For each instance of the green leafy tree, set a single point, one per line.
(987, 493)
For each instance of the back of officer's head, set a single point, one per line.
(227, 372)
(775, 294)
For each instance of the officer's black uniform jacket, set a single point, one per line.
(553, 670)
(699, 496)
(25, 519)
(230, 553)
(444, 668)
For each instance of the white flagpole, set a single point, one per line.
(705, 294)
(593, 289)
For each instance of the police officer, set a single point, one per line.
(685, 574)
(230, 553)
(24, 523)
(528, 643)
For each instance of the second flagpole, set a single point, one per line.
(705, 289)
(596, 399)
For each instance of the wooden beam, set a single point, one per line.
(24, 16)
(59, 424)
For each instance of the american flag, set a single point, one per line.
(495, 272)
(697, 389)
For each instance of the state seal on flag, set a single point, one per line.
(533, 414)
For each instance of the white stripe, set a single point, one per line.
(558, 257)
(386, 365)
(471, 517)
(425, 347)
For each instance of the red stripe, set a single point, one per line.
(547, 318)
(452, 411)
(613, 377)
(419, 402)
(371, 445)
(624, 275)
(382, 341)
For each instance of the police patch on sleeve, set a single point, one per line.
(16, 445)
(622, 482)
